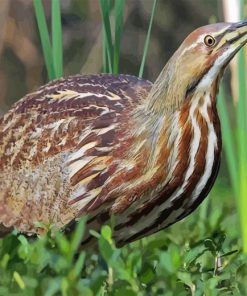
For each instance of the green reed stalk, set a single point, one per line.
(118, 10)
(107, 37)
(242, 140)
(237, 157)
(53, 53)
(228, 142)
(242, 147)
(146, 46)
(57, 45)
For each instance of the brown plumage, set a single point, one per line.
(117, 146)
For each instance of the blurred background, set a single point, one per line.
(21, 61)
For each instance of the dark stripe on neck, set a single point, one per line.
(192, 87)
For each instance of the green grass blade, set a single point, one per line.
(228, 142)
(242, 8)
(57, 46)
(105, 12)
(242, 146)
(44, 36)
(241, 113)
(119, 7)
(105, 57)
(147, 40)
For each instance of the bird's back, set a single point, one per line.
(60, 146)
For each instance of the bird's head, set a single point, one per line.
(205, 53)
(200, 61)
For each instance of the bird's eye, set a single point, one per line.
(209, 40)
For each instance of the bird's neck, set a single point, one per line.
(172, 127)
(175, 150)
(169, 91)
(176, 84)
(172, 113)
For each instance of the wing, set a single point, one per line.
(58, 146)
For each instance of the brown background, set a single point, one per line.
(21, 61)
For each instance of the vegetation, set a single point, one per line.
(53, 53)
(201, 255)
(193, 259)
(236, 149)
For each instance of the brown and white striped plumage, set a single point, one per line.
(115, 146)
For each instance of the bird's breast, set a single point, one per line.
(198, 149)
(194, 145)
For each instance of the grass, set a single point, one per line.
(198, 256)
(57, 46)
(235, 141)
(53, 52)
(145, 50)
(111, 50)
(198, 261)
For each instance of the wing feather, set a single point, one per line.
(63, 137)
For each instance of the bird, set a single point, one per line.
(117, 149)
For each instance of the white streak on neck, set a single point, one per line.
(212, 145)
(211, 75)
(155, 212)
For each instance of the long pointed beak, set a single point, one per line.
(240, 24)
(236, 35)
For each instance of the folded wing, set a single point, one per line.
(58, 146)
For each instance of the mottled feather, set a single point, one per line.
(59, 146)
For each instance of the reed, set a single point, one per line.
(111, 46)
(52, 51)
(235, 140)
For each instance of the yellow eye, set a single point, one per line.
(209, 40)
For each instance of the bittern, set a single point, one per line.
(118, 146)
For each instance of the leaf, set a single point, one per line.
(185, 278)
(94, 233)
(144, 56)
(228, 142)
(77, 236)
(45, 39)
(229, 253)
(5, 260)
(105, 12)
(106, 233)
(210, 245)
(24, 249)
(75, 272)
(63, 243)
(19, 280)
(57, 46)
(105, 249)
(53, 287)
(147, 275)
(119, 7)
